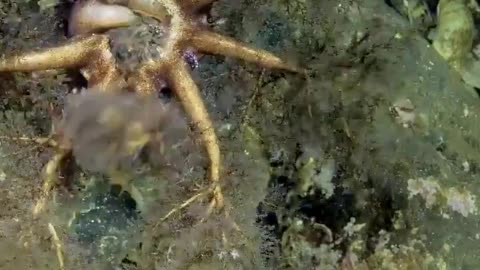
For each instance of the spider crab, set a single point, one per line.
(88, 50)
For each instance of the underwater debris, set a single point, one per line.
(303, 249)
(47, 4)
(462, 202)
(427, 188)
(404, 112)
(315, 173)
(404, 257)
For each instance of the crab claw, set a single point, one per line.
(93, 16)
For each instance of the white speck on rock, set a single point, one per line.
(427, 188)
(461, 202)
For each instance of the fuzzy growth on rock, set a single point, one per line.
(112, 131)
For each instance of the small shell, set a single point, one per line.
(150, 8)
(454, 37)
(93, 16)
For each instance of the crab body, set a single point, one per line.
(136, 39)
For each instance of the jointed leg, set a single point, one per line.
(177, 75)
(58, 246)
(71, 55)
(50, 179)
(214, 43)
(189, 95)
(90, 54)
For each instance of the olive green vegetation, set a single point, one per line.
(369, 163)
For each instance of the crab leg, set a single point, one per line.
(50, 179)
(187, 92)
(90, 54)
(176, 74)
(189, 95)
(214, 43)
(65, 56)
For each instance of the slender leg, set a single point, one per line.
(58, 246)
(187, 92)
(189, 95)
(71, 55)
(214, 43)
(90, 54)
(50, 179)
(178, 77)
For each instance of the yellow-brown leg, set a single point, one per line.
(90, 54)
(177, 75)
(214, 43)
(50, 178)
(189, 95)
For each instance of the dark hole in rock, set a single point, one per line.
(165, 94)
(334, 212)
(106, 223)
